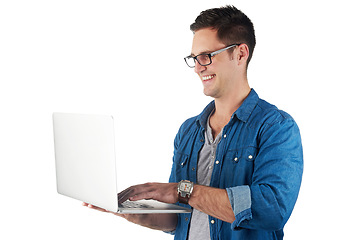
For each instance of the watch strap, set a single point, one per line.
(184, 200)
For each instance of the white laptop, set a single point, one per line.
(85, 164)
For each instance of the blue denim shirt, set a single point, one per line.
(259, 162)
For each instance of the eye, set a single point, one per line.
(203, 57)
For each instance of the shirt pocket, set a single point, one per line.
(238, 166)
(180, 164)
(249, 154)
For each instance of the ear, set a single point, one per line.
(242, 54)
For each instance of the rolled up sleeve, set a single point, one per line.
(240, 199)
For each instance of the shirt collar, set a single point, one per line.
(247, 107)
(203, 117)
(242, 113)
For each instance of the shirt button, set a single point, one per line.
(212, 221)
(236, 159)
(217, 162)
(225, 136)
(250, 157)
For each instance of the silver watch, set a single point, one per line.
(185, 189)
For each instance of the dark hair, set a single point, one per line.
(232, 26)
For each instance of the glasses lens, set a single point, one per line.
(190, 61)
(203, 59)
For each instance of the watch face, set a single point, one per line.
(185, 187)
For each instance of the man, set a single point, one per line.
(241, 157)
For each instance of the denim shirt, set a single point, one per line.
(259, 162)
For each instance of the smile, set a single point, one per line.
(208, 77)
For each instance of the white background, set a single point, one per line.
(126, 59)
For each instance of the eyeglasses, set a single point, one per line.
(204, 59)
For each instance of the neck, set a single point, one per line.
(224, 108)
(227, 105)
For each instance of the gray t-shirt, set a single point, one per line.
(199, 225)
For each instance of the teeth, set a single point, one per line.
(208, 77)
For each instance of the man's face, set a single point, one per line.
(218, 77)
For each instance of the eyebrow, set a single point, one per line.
(203, 52)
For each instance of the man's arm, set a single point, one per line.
(212, 201)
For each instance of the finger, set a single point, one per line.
(125, 195)
(97, 208)
(143, 195)
(132, 191)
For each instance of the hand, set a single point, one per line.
(130, 217)
(163, 222)
(94, 207)
(104, 210)
(163, 192)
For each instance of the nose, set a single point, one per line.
(199, 68)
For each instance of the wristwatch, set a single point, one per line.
(185, 189)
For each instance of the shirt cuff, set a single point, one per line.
(240, 200)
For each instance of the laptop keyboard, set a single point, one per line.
(130, 204)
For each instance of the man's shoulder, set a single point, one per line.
(269, 113)
(188, 123)
(198, 120)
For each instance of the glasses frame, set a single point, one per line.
(212, 54)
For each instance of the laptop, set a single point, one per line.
(86, 164)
